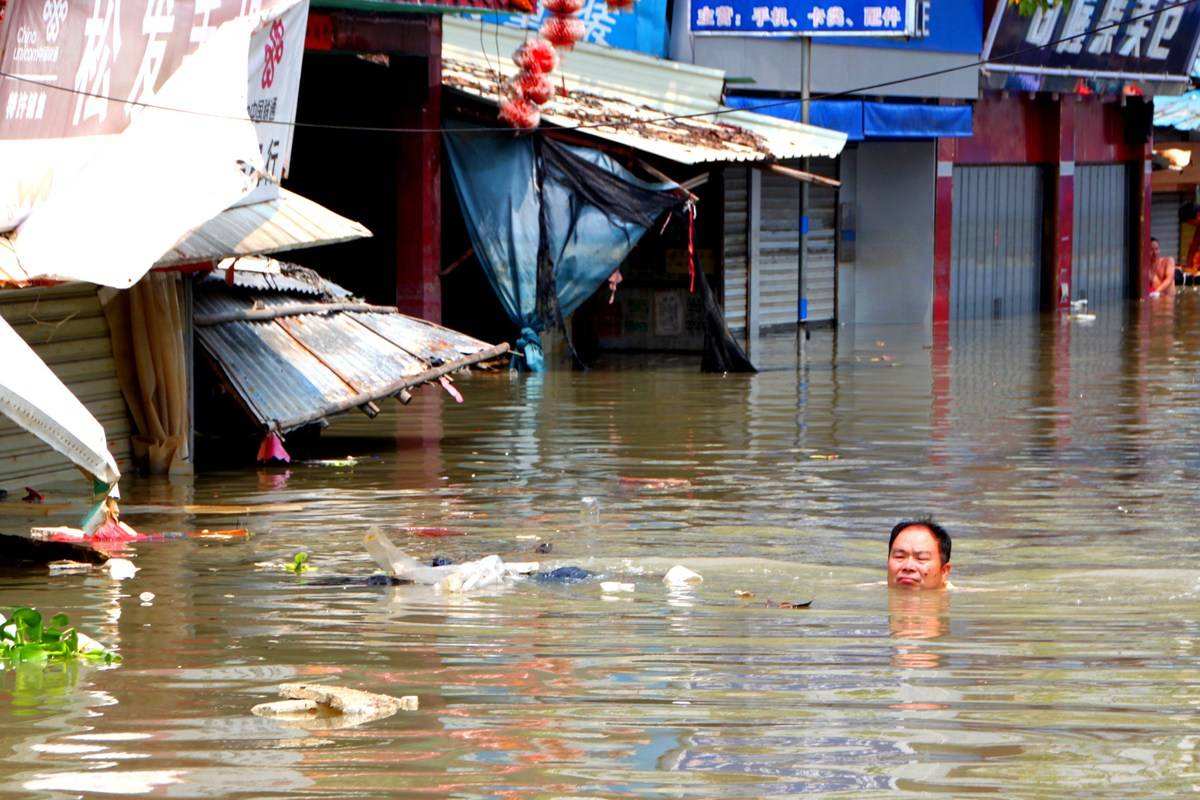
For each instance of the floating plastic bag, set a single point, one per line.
(451, 578)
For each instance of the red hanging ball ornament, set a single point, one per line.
(520, 113)
(563, 32)
(536, 55)
(563, 7)
(535, 87)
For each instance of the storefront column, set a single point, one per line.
(943, 228)
(418, 228)
(1144, 199)
(1064, 206)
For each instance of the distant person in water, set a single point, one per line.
(918, 555)
(1162, 272)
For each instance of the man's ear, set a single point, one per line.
(946, 570)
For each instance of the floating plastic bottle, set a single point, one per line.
(589, 510)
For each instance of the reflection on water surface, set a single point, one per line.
(1061, 455)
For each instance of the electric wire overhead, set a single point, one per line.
(616, 122)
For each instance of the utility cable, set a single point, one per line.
(617, 121)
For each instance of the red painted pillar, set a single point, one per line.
(943, 228)
(1145, 201)
(419, 188)
(1064, 204)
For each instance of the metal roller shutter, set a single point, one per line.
(1164, 222)
(820, 244)
(778, 261)
(67, 329)
(736, 226)
(996, 254)
(1100, 245)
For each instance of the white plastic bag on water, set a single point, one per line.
(452, 578)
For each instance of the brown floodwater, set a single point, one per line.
(1061, 454)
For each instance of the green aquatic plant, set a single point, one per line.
(25, 639)
(299, 563)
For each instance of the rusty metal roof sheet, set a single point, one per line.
(300, 367)
(623, 97)
(268, 275)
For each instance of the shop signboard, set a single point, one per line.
(1152, 41)
(78, 69)
(816, 18)
(643, 28)
(943, 26)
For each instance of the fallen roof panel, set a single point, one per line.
(288, 222)
(624, 97)
(285, 223)
(295, 369)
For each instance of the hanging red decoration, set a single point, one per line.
(619, 5)
(535, 87)
(563, 7)
(563, 32)
(536, 55)
(520, 113)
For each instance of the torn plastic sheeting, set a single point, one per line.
(596, 211)
(33, 397)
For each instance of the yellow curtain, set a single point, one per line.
(146, 326)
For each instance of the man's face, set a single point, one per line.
(1154, 250)
(915, 561)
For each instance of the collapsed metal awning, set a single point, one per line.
(287, 222)
(623, 97)
(293, 360)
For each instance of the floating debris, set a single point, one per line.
(742, 593)
(643, 484)
(615, 586)
(312, 705)
(680, 575)
(788, 604)
(433, 533)
(120, 569)
(69, 567)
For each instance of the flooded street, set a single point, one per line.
(1061, 456)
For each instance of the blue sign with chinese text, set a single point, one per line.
(803, 17)
(643, 29)
(947, 26)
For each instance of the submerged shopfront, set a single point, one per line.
(650, 124)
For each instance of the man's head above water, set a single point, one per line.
(918, 555)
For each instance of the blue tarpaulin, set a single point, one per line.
(860, 119)
(592, 220)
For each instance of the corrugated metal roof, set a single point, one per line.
(269, 275)
(1181, 113)
(635, 91)
(297, 368)
(286, 223)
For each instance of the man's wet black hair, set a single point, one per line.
(939, 533)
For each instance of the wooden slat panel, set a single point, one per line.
(66, 327)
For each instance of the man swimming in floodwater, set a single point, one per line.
(918, 555)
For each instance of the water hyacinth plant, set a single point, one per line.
(299, 563)
(24, 639)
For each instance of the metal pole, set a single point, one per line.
(802, 278)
